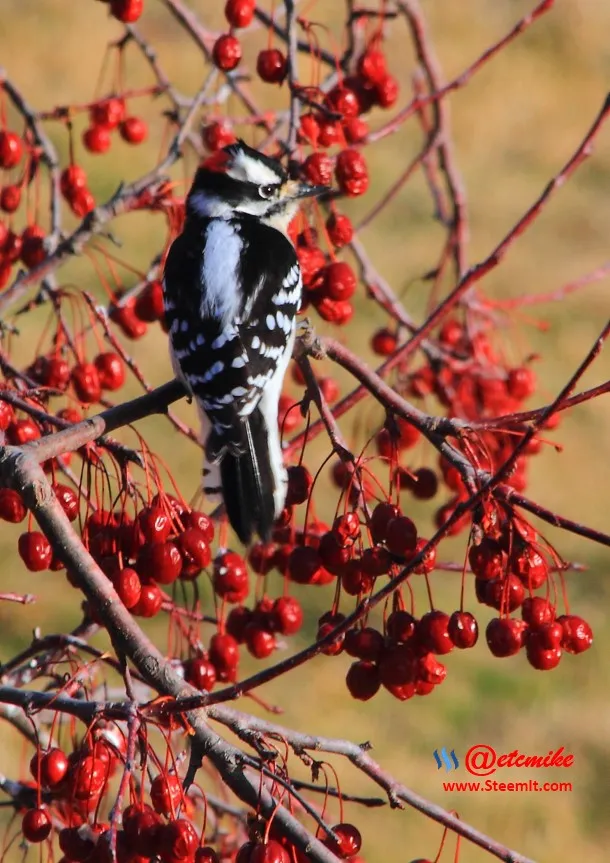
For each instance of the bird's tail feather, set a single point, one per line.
(248, 482)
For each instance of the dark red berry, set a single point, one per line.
(463, 629)
(133, 130)
(35, 550)
(271, 65)
(12, 507)
(239, 13)
(166, 793)
(226, 52)
(200, 673)
(97, 139)
(111, 370)
(36, 825)
(505, 635)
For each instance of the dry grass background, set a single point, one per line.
(514, 125)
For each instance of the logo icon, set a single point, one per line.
(449, 760)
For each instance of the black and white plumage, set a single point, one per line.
(232, 289)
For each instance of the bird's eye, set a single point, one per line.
(267, 191)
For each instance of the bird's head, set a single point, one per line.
(243, 180)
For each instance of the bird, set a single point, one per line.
(232, 288)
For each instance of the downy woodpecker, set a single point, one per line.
(232, 289)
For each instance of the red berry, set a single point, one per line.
(539, 656)
(108, 113)
(428, 561)
(504, 594)
(340, 229)
(111, 371)
(318, 169)
(22, 431)
(11, 149)
(150, 602)
(52, 372)
(338, 312)
(366, 643)
(68, 498)
(126, 11)
(202, 522)
(329, 133)
(32, 246)
(179, 841)
(217, 135)
(339, 281)
(505, 635)
(166, 793)
(287, 615)
(521, 383)
(127, 584)
(349, 841)
(10, 198)
(401, 626)
(304, 565)
(226, 52)
(239, 13)
(97, 139)
(86, 383)
(363, 680)
(309, 129)
(463, 629)
(195, 550)
(260, 642)
(49, 768)
(89, 777)
(372, 65)
(269, 852)
(125, 317)
(537, 611)
(343, 100)
(224, 655)
(336, 644)
(12, 507)
(200, 673)
(155, 524)
(401, 536)
(300, 483)
(35, 550)
(577, 634)
(380, 519)
(386, 91)
(141, 826)
(487, 560)
(529, 565)
(36, 825)
(384, 342)
(424, 484)
(149, 302)
(433, 633)
(160, 561)
(230, 577)
(271, 65)
(351, 172)
(355, 129)
(133, 130)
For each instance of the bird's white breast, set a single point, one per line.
(220, 272)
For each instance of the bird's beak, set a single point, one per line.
(296, 189)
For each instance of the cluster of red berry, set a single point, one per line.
(107, 115)
(79, 782)
(25, 247)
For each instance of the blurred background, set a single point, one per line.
(514, 126)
